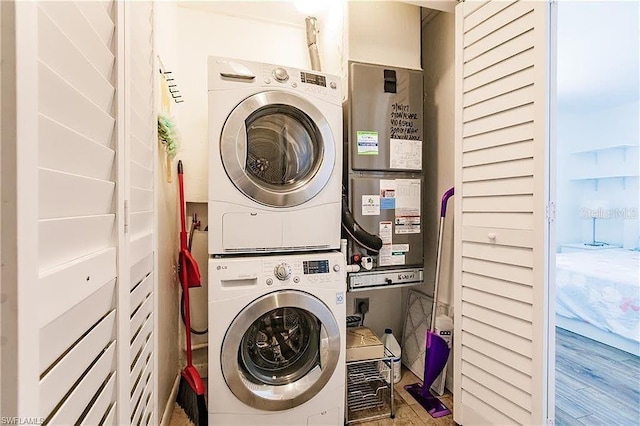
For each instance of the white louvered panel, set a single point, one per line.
(99, 19)
(491, 353)
(485, 12)
(67, 239)
(506, 412)
(495, 73)
(139, 249)
(60, 379)
(497, 320)
(139, 385)
(141, 314)
(76, 111)
(145, 404)
(141, 153)
(111, 418)
(141, 80)
(59, 335)
(141, 223)
(141, 337)
(508, 308)
(103, 403)
(141, 126)
(503, 237)
(508, 135)
(507, 289)
(503, 272)
(507, 186)
(148, 416)
(498, 154)
(500, 28)
(141, 269)
(473, 7)
(139, 101)
(71, 410)
(518, 344)
(75, 26)
(68, 285)
(141, 199)
(511, 100)
(498, 87)
(60, 54)
(497, 253)
(140, 292)
(480, 359)
(501, 53)
(501, 385)
(89, 158)
(141, 176)
(490, 414)
(140, 403)
(139, 362)
(523, 221)
(502, 170)
(63, 194)
(515, 203)
(512, 117)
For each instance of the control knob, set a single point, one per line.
(280, 74)
(282, 271)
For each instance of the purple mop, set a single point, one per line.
(437, 350)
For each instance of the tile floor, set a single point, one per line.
(408, 411)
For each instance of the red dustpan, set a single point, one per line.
(437, 350)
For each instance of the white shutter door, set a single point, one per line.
(140, 134)
(76, 203)
(500, 224)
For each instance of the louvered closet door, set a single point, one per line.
(77, 206)
(141, 139)
(500, 224)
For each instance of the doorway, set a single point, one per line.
(597, 244)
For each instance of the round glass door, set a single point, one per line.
(280, 350)
(278, 149)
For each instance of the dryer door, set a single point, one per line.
(281, 350)
(278, 149)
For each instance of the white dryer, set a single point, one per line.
(277, 329)
(275, 158)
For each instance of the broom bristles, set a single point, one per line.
(194, 405)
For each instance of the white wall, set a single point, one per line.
(168, 227)
(438, 63)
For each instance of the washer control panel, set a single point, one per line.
(306, 81)
(300, 271)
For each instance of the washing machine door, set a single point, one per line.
(281, 350)
(278, 149)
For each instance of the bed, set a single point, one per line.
(598, 296)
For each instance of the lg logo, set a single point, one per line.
(219, 267)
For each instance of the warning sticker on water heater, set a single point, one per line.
(407, 220)
(367, 143)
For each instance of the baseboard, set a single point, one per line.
(168, 409)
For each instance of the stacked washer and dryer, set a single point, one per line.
(276, 281)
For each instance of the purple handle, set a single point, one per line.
(445, 198)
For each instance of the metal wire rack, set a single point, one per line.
(369, 395)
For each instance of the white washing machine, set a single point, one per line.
(275, 158)
(277, 340)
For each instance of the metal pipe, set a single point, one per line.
(312, 32)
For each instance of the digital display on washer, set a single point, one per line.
(315, 267)
(319, 80)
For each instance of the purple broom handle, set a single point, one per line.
(445, 198)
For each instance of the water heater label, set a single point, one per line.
(367, 142)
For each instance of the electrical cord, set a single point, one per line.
(193, 331)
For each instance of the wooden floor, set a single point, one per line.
(408, 411)
(596, 384)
